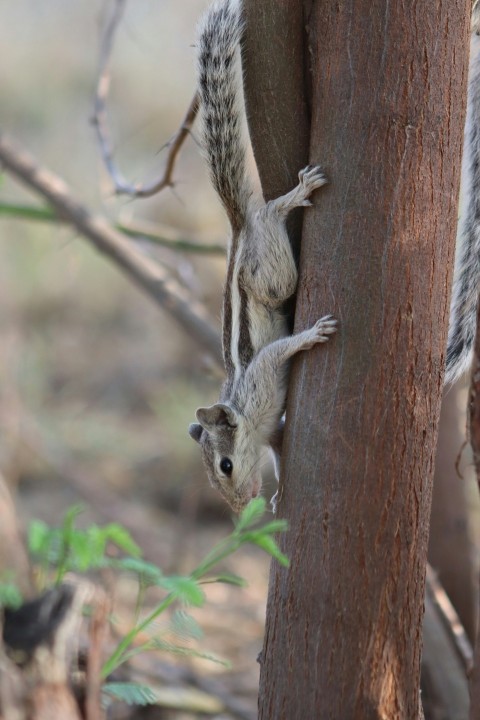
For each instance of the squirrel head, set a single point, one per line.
(230, 453)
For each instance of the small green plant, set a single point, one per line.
(10, 595)
(66, 548)
(58, 550)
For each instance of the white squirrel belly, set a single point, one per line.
(235, 337)
(266, 325)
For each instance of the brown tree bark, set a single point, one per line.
(343, 629)
(276, 98)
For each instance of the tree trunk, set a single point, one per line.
(450, 549)
(343, 629)
(474, 420)
(276, 98)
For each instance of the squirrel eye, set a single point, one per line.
(226, 466)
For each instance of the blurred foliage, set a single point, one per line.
(58, 550)
(86, 359)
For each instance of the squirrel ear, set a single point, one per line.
(195, 431)
(216, 416)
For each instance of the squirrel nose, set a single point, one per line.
(254, 492)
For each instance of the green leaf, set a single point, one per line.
(148, 572)
(274, 526)
(72, 513)
(185, 626)
(10, 595)
(80, 552)
(158, 644)
(38, 537)
(251, 514)
(130, 693)
(185, 588)
(268, 544)
(120, 536)
(227, 578)
(96, 543)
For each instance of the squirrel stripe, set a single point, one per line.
(466, 285)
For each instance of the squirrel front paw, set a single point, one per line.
(327, 325)
(321, 331)
(311, 178)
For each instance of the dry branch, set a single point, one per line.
(450, 547)
(446, 656)
(450, 620)
(162, 235)
(98, 637)
(100, 120)
(148, 275)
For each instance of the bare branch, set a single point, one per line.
(450, 620)
(161, 235)
(446, 656)
(152, 278)
(100, 120)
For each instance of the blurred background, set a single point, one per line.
(97, 384)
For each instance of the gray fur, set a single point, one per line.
(466, 281)
(261, 275)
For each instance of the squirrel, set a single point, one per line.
(262, 274)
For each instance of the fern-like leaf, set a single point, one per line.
(130, 693)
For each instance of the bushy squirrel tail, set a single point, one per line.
(222, 106)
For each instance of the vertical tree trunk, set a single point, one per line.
(450, 549)
(276, 97)
(344, 622)
(474, 419)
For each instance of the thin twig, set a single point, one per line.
(98, 636)
(162, 235)
(444, 679)
(450, 619)
(100, 120)
(147, 274)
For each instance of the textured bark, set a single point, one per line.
(343, 636)
(450, 549)
(276, 97)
